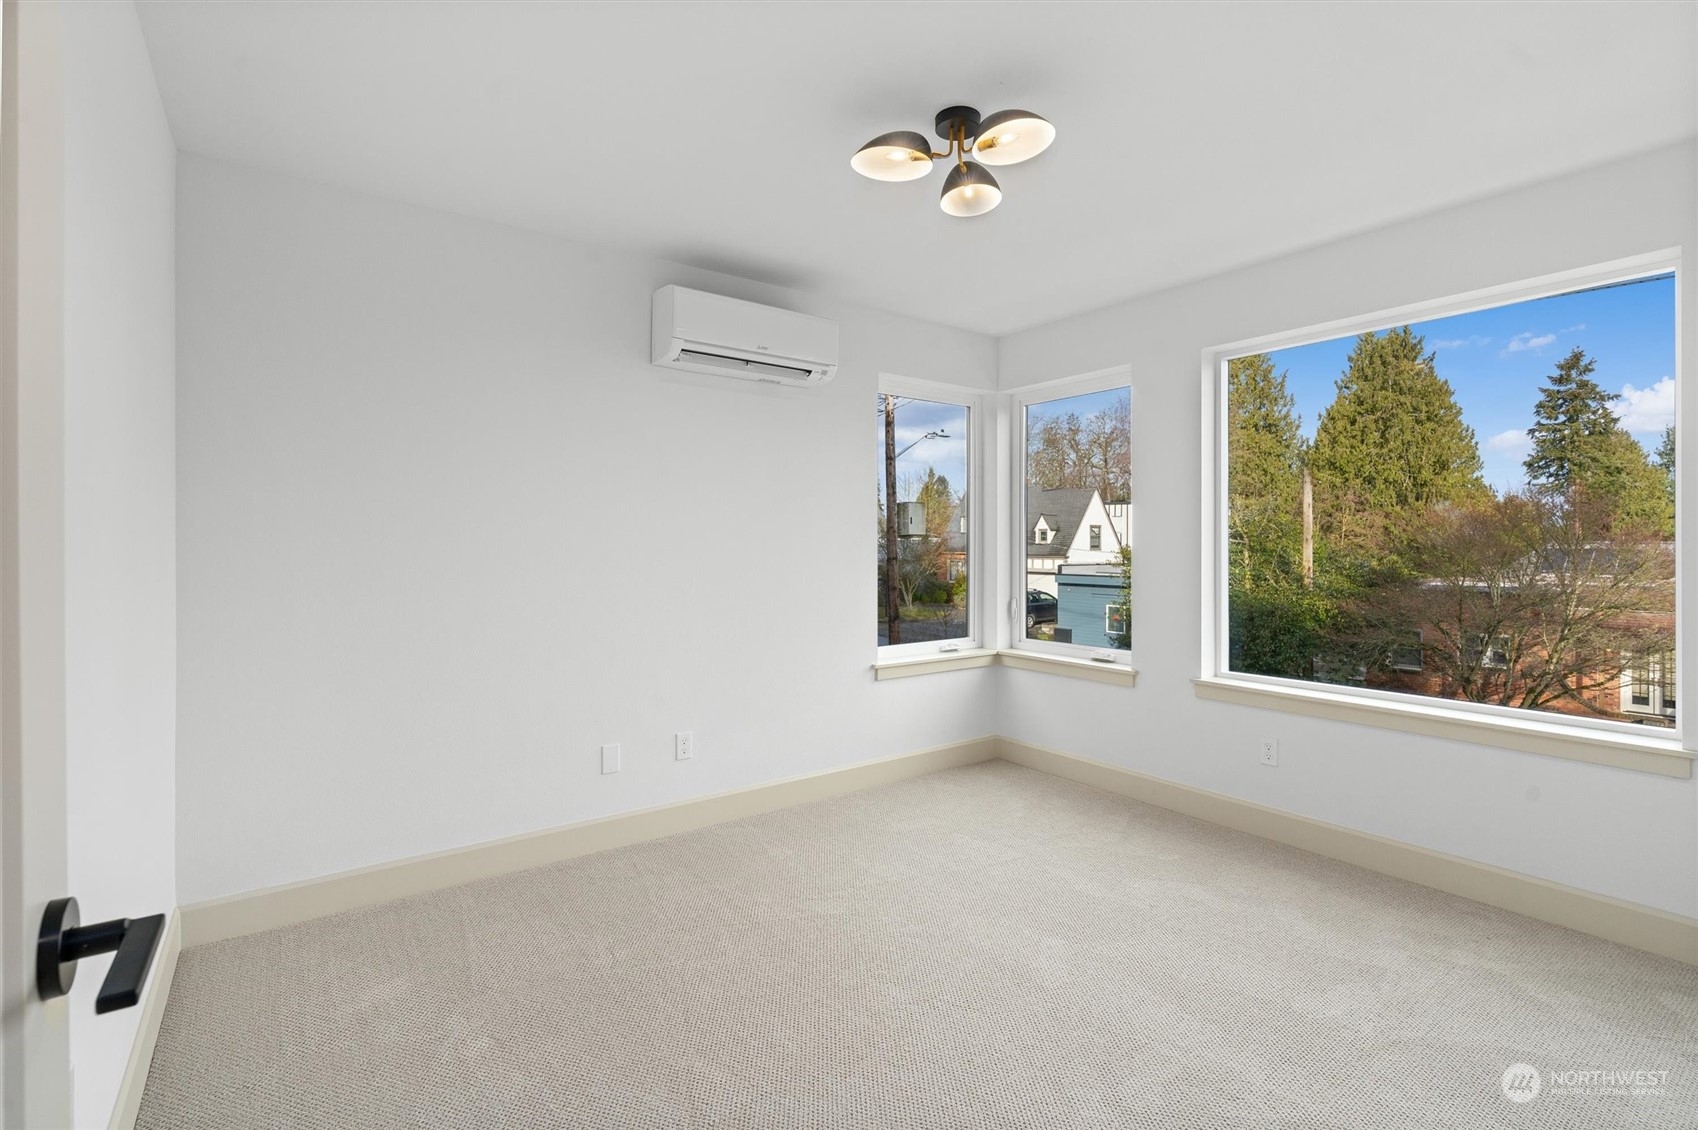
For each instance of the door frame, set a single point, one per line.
(35, 1060)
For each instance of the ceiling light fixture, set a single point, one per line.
(1005, 138)
(1012, 136)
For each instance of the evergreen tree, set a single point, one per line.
(1572, 427)
(1276, 621)
(1635, 492)
(1264, 454)
(1665, 462)
(1393, 438)
(1580, 447)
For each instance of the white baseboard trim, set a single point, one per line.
(252, 911)
(1616, 920)
(1642, 927)
(152, 1007)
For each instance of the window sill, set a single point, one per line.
(932, 664)
(1116, 674)
(1624, 751)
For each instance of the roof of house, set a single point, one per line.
(1596, 562)
(1062, 511)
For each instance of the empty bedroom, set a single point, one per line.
(847, 564)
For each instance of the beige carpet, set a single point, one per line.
(987, 946)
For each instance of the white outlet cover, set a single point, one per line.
(1270, 752)
(610, 758)
(686, 745)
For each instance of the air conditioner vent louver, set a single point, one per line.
(710, 333)
(737, 367)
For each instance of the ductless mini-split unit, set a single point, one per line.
(709, 333)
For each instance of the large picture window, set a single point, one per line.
(1478, 507)
(923, 533)
(1075, 518)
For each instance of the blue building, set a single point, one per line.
(1089, 604)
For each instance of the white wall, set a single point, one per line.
(420, 461)
(419, 455)
(120, 503)
(1626, 834)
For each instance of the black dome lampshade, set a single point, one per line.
(897, 156)
(970, 190)
(1012, 136)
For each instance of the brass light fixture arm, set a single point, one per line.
(957, 145)
(956, 124)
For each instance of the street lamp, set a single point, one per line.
(916, 443)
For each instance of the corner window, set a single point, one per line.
(1075, 495)
(924, 548)
(1486, 499)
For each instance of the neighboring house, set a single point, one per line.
(1089, 607)
(1120, 517)
(954, 556)
(952, 561)
(1067, 527)
(1644, 692)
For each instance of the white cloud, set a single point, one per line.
(1574, 328)
(1647, 409)
(1525, 341)
(1461, 342)
(1513, 442)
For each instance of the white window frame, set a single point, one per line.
(1020, 399)
(1601, 741)
(978, 576)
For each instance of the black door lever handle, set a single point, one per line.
(63, 942)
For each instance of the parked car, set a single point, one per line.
(1040, 608)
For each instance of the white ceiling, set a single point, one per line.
(1192, 138)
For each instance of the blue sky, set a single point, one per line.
(1084, 406)
(1496, 361)
(914, 418)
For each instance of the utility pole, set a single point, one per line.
(892, 593)
(1308, 529)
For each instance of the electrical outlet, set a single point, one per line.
(610, 758)
(686, 747)
(1270, 751)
